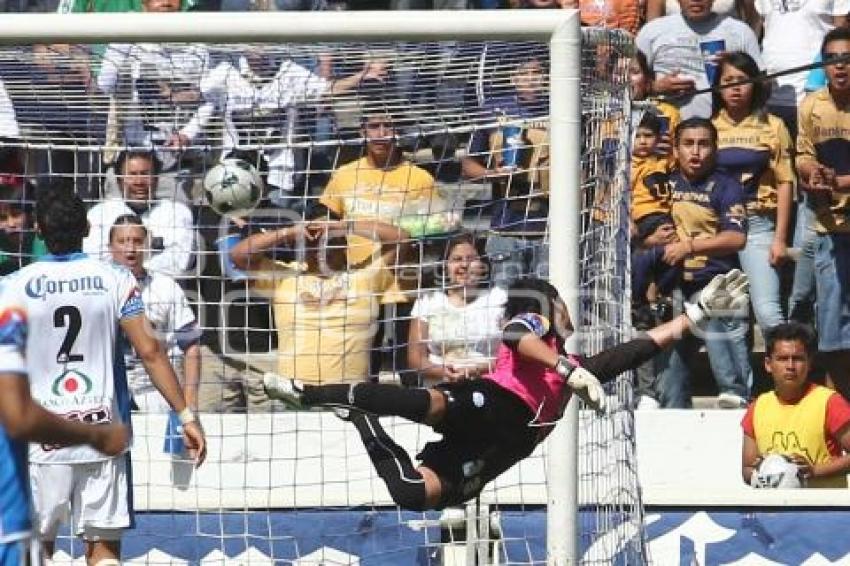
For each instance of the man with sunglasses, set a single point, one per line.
(823, 146)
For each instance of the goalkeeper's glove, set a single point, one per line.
(725, 295)
(583, 383)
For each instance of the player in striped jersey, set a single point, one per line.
(79, 304)
(22, 421)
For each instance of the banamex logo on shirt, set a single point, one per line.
(71, 382)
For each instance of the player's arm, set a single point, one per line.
(837, 411)
(153, 357)
(835, 466)
(191, 347)
(25, 420)
(750, 457)
(192, 377)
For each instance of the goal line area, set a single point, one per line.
(403, 161)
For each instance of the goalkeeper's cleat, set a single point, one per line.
(343, 413)
(290, 391)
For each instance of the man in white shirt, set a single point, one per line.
(79, 304)
(674, 45)
(793, 32)
(156, 87)
(170, 224)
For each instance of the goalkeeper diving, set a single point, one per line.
(492, 422)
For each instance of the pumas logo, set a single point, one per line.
(71, 382)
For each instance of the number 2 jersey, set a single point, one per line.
(73, 305)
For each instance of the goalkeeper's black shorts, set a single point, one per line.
(485, 432)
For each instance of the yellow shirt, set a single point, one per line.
(358, 190)
(325, 325)
(786, 429)
(757, 152)
(824, 136)
(650, 186)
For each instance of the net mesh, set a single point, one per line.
(471, 119)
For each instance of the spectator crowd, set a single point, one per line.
(361, 261)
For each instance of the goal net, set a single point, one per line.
(134, 128)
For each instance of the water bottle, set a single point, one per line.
(511, 144)
(173, 444)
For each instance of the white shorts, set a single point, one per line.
(96, 496)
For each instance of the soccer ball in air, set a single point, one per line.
(233, 187)
(776, 472)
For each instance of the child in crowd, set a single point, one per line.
(652, 225)
(641, 78)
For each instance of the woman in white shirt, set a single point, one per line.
(455, 330)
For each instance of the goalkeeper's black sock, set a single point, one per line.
(391, 461)
(377, 398)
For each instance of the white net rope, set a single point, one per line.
(276, 481)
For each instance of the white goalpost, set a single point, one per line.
(311, 462)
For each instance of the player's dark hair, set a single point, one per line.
(127, 220)
(791, 332)
(531, 295)
(837, 34)
(61, 218)
(650, 121)
(694, 123)
(747, 65)
(129, 154)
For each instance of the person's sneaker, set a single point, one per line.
(731, 401)
(342, 413)
(290, 391)
(647, 403)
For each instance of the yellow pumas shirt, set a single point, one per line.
(824, 136)
(757, 152)
(650, 186)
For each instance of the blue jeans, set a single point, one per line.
(832, 276)
(801, 302)
(729, 356)
(512, 257)
(764, 278)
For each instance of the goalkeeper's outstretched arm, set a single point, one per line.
(725, 294)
